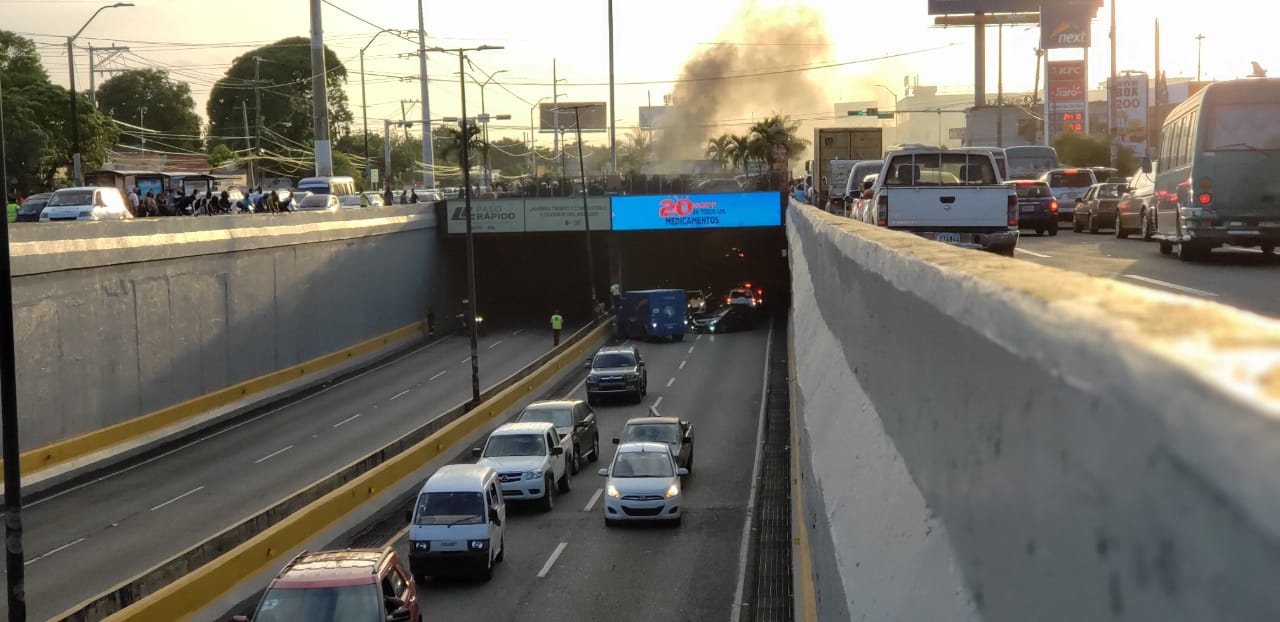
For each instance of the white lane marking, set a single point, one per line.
(495, 344)
(749, 524)
(54, 551)
(466, 360)
(671, 382)
(518, 331)
(1175, 286)
(438, 375)
(229, 428)
(699, 338)
(657, 401)
(399, 395)
(1033, 253)
(552, 560)
(179, 497)
(682, 364)
(690, 349)
(347, 420)
(396, 538)
(272, 455)
(592, 503)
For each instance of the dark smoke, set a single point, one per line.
(703, 109)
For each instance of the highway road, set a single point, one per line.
(1242, 278)
(566, 565)
(86, 539)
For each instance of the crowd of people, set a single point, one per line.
(202, 203)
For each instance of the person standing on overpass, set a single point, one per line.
(557, 323)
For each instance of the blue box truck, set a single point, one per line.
(651, 313)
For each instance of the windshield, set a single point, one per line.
(1033, 191)
(740, 293)
(642, 464)
(559, 417)
(1078, 179)
(449, 508)
(1243, 127)
(653, 432)
(315, 200)
(947, 169)
(348, 603)
(515, 445)
(613, 359)
(1109, 191)
(71, 197)
(32, 206)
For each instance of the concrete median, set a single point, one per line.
(183, 585)
(983, 438)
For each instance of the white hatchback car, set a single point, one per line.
(85, 203)
(318, 203)
(643, 485)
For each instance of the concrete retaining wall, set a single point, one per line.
(115, 320)
(983, 438)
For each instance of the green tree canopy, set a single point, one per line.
(170, 111)
(1084, 150)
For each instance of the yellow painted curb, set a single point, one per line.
(74, 447)
(806, 598)
(185, 597)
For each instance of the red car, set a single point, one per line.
(334, 586)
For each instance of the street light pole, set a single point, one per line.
(320, 95)
(613, 108)
(14, 566)
(466, 198)
(586, 215)
(364, 106)
(533, 139)
(1199, 48)
(71, 88)
(1111, 95)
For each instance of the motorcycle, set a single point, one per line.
(464, 327)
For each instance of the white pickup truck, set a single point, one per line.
(957, 198)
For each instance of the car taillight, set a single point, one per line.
(1013, 210)
(759, 292)
(1053, 206)
(1204, 198)
(882, 210)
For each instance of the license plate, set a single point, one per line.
(447, 545)
(1028, 209)
(950, 238)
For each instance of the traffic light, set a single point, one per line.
(867, 112)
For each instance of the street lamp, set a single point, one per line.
(895, 110)
(533, 138)
(75, 118)
(488, 175)
(466, 198)
(364, 104)
(586, 215)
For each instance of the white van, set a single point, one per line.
(85, 203)
(456, 525)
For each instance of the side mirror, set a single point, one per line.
(493, 516)
(557, 451)
(586, 364)
(682, 471)
(408, 516)
(615, 440)
(475, 452)
(603, 472)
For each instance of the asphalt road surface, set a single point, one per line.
(85, 540)
(567, 566)
(1239, 277)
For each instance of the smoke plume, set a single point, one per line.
(768, 47)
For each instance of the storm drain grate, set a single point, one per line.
(771, 598)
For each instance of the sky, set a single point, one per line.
(196, 42)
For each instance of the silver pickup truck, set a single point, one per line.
(957, 198)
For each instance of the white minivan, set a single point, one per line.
(456, 525)
(85, 203)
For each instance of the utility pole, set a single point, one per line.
(9, 450)
(111, 53)
(1199, 49)
(244, 111)
(979, 59)
(586, 214)
(428, 153)
(555, 103)
(1153, 133)
(613, 112)
(142, 124)
(404, 118)
(1000, 86)
(1111, 95)
(319, 95)
(257, 121)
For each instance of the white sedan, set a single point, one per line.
(643, 485)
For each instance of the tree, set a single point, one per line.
(451, 149)
(739, 151)
(37, 128)
(636, 151)
(720, 149)
(1085, 150)
(170, 111)
(285, 90)
(220, 154)
(772, 132)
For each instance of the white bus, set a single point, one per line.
(339, 186)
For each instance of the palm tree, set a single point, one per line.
(635, 150)
(739, 151)
(452, 148)
(720, 149)
(771, 132)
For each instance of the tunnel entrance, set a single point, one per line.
(712, 260)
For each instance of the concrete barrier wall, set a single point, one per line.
(983, 438)
(116, 320)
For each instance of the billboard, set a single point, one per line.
(1129, 99)
(1066, 95)
(527, 215)
(651, 116)
(1066, 25)
(594, 116)
(696, 211)
(964, 7)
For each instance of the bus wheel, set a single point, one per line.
(1166, 248)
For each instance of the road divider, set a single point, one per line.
(184, 584)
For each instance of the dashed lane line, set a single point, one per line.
(671, 382)
(53, 552)
(592, 503)
(438, 375)
(1033, 253)
(1173, 286)
(682, 364)
(551, 561)
(347, 420)
(179, 497)
(399, 395)
(272, 455)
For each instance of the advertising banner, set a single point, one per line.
(1129, 112)
(1066, 92)
(593, 115)
(1066, 25)
(565, 214)
(696, 211)
(487, 216)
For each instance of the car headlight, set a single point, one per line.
(592, 379)
(479, 318)
(713, 327)
(612, 492)
(421, 545)
(477, 545)
(654, 324)
(533, 474)
(633, 376)
(673, 491)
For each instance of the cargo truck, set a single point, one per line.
(650, 313)
(840, 143)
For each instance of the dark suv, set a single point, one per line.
(617, 370)
(575, 423)
(332, 586)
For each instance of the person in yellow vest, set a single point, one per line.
(557, 323)
(13, 208)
